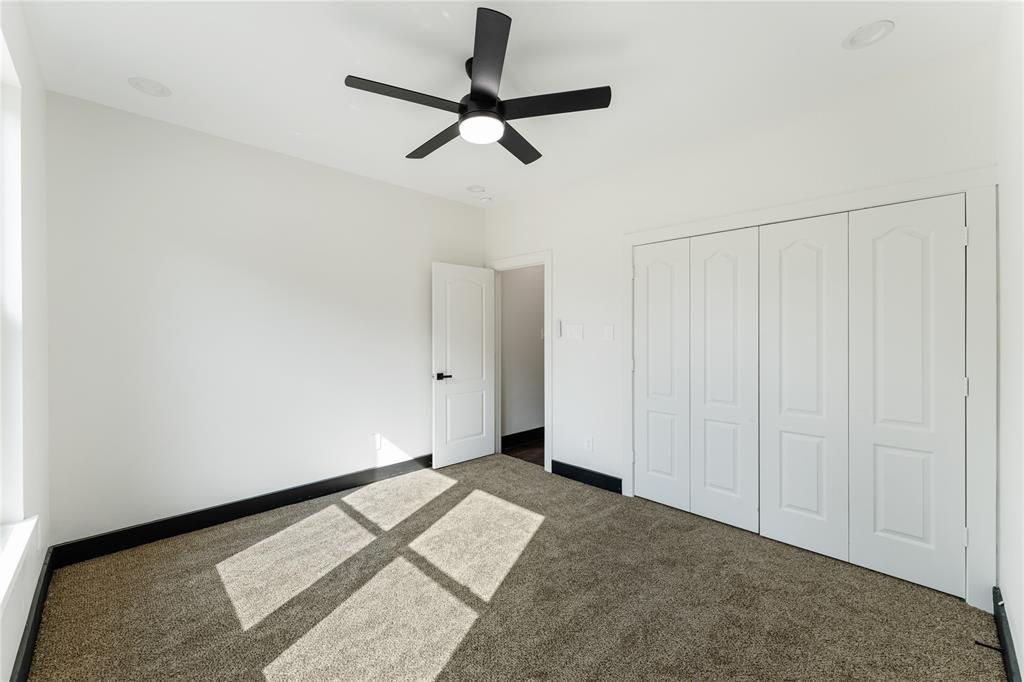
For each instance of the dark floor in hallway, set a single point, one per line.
(531, 451)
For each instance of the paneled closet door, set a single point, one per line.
(804, 363)
(723, 377)
(907, 421)
(661, 379)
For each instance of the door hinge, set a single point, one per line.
(634, 272)
(967, 386)
(966, 536)
(967, 236)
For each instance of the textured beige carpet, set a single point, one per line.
(494, 570)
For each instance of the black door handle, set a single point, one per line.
(442, 375)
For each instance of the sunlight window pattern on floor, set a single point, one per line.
(400, 625)
(478, 542)
(262, 578)
(389, 502)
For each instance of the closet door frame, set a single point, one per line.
(979, 188)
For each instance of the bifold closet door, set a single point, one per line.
(804, 363)
(661, 378)
(723, 377)
(907, 410)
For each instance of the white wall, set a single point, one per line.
(910, 127)
(228, 321)
(1011, 310)
(522, 349)
(33, 326)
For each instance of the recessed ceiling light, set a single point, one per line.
(486, 200)
(868, 34)
(149, 86)
(476, 188)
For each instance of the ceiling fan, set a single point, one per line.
(483, 116)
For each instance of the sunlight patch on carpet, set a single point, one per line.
(389, 502)
(263, 577)
(478, 542)
(401, 625)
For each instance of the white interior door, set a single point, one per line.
(463, 350)
(907, 410)
(804, 405)
(723, 377)
(661, 378)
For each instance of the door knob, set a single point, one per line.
(442, 375)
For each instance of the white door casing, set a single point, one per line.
(723, 377)
(662, 372)
(804, 395)
(463, 347)
(907, 409)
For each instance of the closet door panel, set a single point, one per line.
(907, 410)
(803, 370)
(723, 377)
(661, 379)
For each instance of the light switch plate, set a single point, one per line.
(573, 331)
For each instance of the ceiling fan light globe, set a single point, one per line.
(481, 128)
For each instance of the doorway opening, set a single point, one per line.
(521, 413)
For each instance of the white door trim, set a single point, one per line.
(514, 263)
(979, 185)
(982, 403)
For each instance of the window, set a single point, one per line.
(11, 510)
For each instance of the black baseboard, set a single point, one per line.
(133, 536)
(1005, 638)
(23, 659)
(514, 439)
(587, 476)
(65, 554)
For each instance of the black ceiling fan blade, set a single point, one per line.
(558, 103)
(401, 93)
(435, 143)
(489, 52)
(517, 144)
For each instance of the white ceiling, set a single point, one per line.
(271, 74)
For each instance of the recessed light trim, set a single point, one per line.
(486, 200)
(868, 34)
(476, 188)
(149, 86)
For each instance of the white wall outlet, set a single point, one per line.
(588, 444)
(573, 332)
(608, 333)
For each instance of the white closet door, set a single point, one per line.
(907, 421)
(804, 361)
(723, 372)
(661, 379)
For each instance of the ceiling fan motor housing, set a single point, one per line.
(481, 107)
